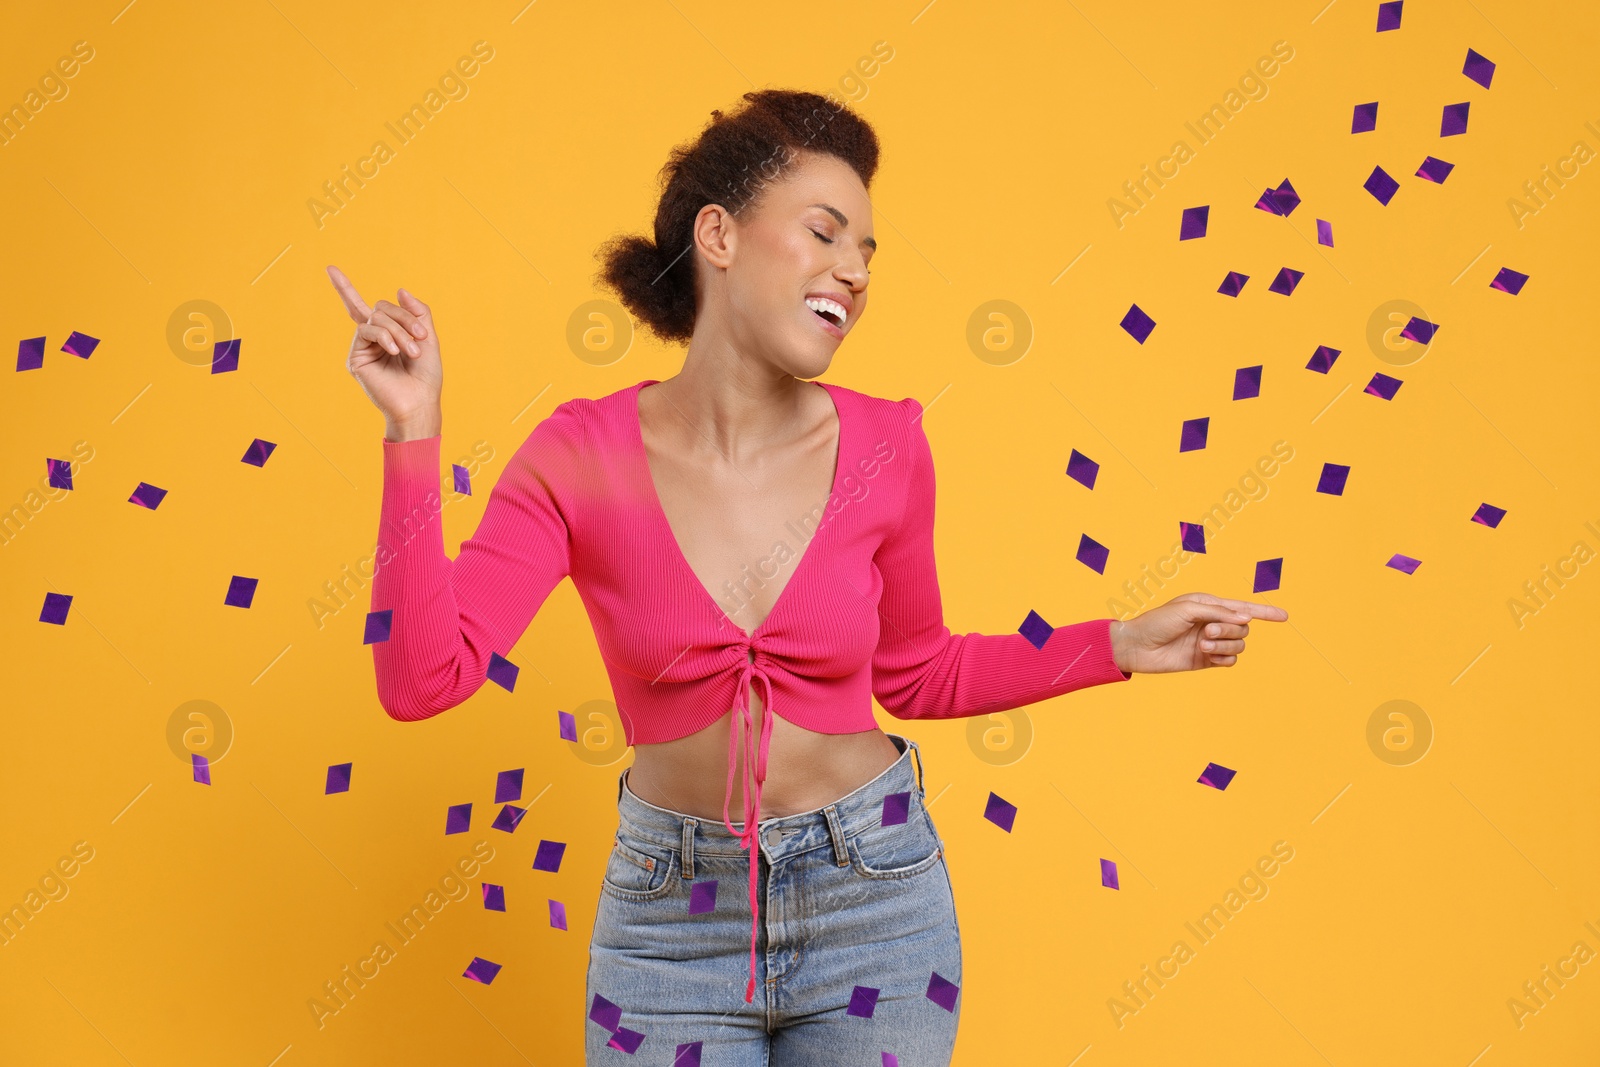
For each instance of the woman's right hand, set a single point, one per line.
(395, 356)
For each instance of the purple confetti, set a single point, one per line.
(1000, 812)
(1108, 874)
(1286, 280)
(1488, 515)
(688, 1055)
(1093, 554)
(60, 472)
(1389, 15)
(458, 819)
(509, 817)
(1365, 118)
(1216, 776)
(463, 481)
(1194, 223)
(1381, 186)
(1419, 330)
(1478, 68)
(379, 626)
(1233, 284)
(568, 727)
(1193, 536)
(481, 970)
(494, 897)
(1333, 478)
(508, 786)
(896, 809)
(1193, 437)
(338, 780)
(625, 1040)
(1269, 575)
(241, 591)
(1454, 120)
(1325, 233)
(1383, 385)
(147, 496)
(83, 346)
(943, 992)
(1435, 170)
(1137, 323)
(1509, 281)
(30, 353)
(1403, 563)
(1035, 629)
(1084, 471)
(558, 915)
(225, 356)
(502, 672)
(56, 606)
(256, 455)
(202, 768)
(548, 856)
(863, 1002)
(1323, 359)
(1247, 382)
(703, 897)
(605, 1013)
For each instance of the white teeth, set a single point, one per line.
(822, 303)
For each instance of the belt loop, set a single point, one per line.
(688, 847)
(841, 855)
(916, 754)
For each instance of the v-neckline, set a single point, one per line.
(671, 538)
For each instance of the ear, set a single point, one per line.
(716, 234)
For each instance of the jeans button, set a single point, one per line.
(773, 837)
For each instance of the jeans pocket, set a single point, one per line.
(898, 851)
(637, 870)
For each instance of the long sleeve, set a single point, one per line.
(920, 670)
(451, 615)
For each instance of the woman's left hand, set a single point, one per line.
(1188, 633)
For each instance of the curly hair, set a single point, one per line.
(731, 163)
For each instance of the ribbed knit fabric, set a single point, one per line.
(860, 616)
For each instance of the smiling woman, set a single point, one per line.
(651, 498)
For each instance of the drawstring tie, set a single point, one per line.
(757, 763)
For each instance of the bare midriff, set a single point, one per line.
(723, 518)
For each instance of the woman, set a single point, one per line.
(755, 551)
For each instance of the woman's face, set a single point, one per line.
(808, 239)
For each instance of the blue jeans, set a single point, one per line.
(848, 905)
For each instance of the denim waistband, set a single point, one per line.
(782, 836)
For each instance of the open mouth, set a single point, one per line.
(829, 311)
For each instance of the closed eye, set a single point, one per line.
(829, 240)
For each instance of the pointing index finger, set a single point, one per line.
(352, 300)
(1256, 611)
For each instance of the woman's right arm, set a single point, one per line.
(450, 616)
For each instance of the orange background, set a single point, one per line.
(178, 167)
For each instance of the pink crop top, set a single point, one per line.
(860, 616)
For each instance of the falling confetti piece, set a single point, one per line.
(1435, 170)
(494, 897)
(1419, 330)
(896, 809)
(60, 472)
(625, 1040)
(1035, 629)
(548, 856)
(147, 496)
(463, 481)
(1247, 382)
(1286, 281)
(1323, 359)
(1093, 554)
(1389, 15)
(83, 346)
(1365, 118)
(1193, 536)
(225, 356)
(1137, 323)
(30, 353)
(1269, 575)
(558, 915)
(256, 455)
(508, 785)
(241, 591)
(863, 1002)
(703, 897)
(1478, 68)
(1333, 478)
(1000, 812)
(1509, 281)
(202, 768)
(502, 672)
(605, 1013)
(1325, 233)
(1194, 223)
(568, 725)
(1082, 469)
(509, 817)
(1454, 119)
(1488, 515)
(379, 626)
(1233, 283)
(1383, 385)
(943, 992)
(1381, 186)
(55, 610)
(1216, 776)
(458, 819)
(1403, 563)
(481, 970)
(338, 780)
(1193, 436)
(1108, 874)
